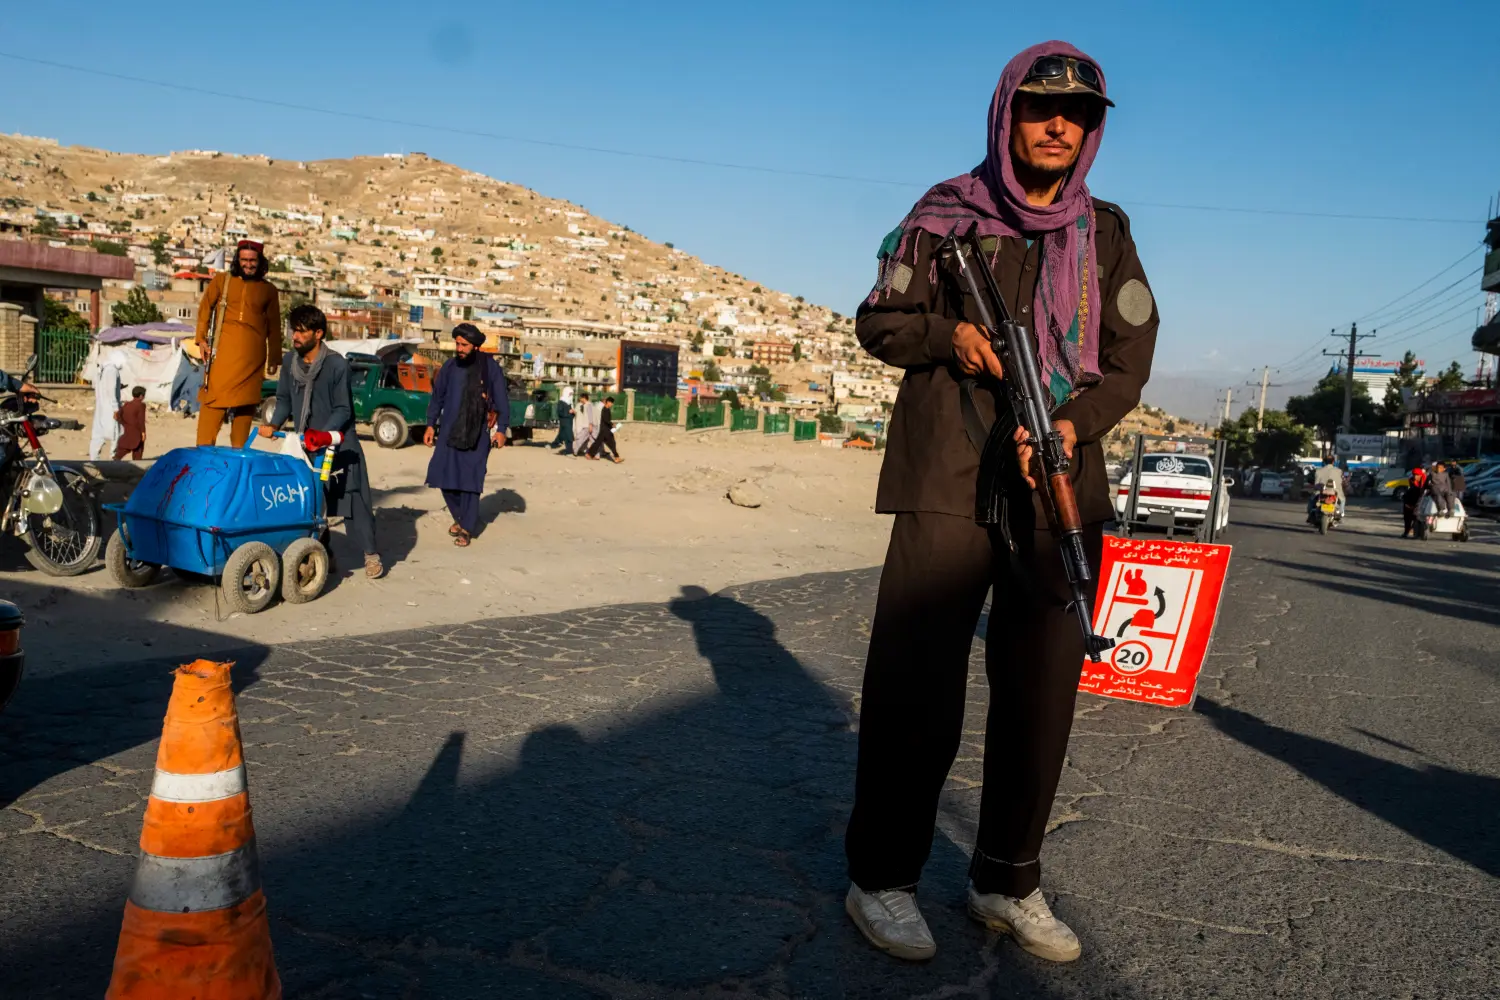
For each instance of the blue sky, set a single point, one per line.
(1325, 107)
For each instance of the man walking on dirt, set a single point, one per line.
(244, 310)
(469, 412)
(1068, 267)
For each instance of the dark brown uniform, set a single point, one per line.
(941, 564)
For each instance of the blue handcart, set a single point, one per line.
(252, 519)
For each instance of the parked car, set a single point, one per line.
(1272, 485)
(1180, 485)
(387, 395)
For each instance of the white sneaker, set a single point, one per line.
(890, 920)
(1029, 921)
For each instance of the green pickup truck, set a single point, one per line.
(392, 411)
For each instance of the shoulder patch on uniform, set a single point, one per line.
(901, 278)
(1134, 302)
(890, 243)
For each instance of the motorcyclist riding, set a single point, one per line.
(1331, 477)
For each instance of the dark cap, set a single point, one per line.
(1065, 75)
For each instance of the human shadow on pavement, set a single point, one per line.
(1435, 585)
(1450, 810)
(691, 847)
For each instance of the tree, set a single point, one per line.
(472, 262)
(830, 423)
(711, 372)
(159, 253)
(697, 334)
(1323, 408)
(437, 254)
(759, 370)
(1280, 439)
(56, 316)
(135, 310)
(1408, 376)
(1239, 441)
(46, 225)
(720, 351)
(1452, 379)
(732, 397)
(110, 248)
(796, 351)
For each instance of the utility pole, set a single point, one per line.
(1348, 357)
(1265, 383)
(1228, 395)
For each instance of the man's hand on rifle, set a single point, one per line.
(1024, 450)
(972, 351)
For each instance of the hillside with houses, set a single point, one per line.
(404, 245)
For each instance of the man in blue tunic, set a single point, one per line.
(469, 412)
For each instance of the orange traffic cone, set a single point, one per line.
(195, 924)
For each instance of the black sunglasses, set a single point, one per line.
(1056, 68)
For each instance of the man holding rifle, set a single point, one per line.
(1067, 270)
(241, 312)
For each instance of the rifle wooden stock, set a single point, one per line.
(1064, 503)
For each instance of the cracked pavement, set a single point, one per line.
(648, 800)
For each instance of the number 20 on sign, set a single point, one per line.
(1158, 600)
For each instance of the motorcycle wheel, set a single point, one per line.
(66, 543)
(1324, 523)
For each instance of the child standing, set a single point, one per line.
(132, 420)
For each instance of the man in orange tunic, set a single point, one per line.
(248, 338)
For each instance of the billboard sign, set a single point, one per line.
(1359, 444)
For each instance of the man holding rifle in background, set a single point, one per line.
(1067, 269)
(239, 333)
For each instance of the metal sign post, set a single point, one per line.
(1208, 530)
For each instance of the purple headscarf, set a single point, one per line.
(990, 197)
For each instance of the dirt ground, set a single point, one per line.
(557, 533)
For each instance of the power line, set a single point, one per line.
(1425, 304)
(665, 158)
(1426, 323)
(1376, 312)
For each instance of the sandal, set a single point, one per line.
(461, 539)
(455, 529)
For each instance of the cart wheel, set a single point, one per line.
(128, 572)
(251, 577)
(304, 571)
(1463, 536)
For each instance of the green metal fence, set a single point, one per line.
(655, 409)
(777, 423)
(61, 354)
(743, 420)
(701, 416)
(805, 430)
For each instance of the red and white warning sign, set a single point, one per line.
(1158, 600)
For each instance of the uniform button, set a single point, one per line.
(1026, 309)
(1027, 267)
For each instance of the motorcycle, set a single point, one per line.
(54, 511)
(1325, 514)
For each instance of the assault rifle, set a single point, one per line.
(1011, 343)
(216, 320)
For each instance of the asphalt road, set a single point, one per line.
(648, 800)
